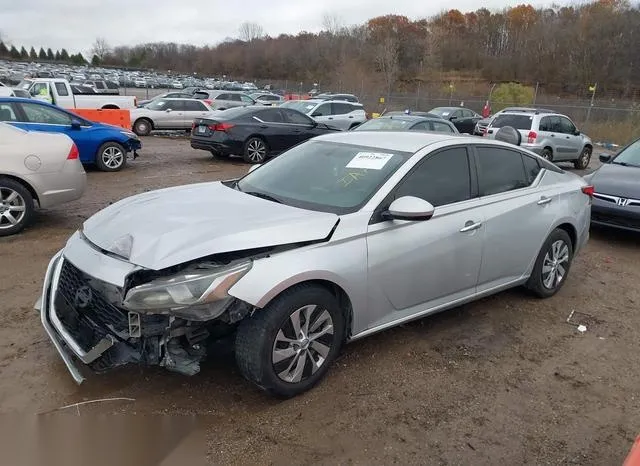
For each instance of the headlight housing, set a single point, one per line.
(195, 294)
(129, 134)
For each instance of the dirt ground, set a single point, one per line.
(505, 380)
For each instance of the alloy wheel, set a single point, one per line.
(302, 344)
(554, 266)
(12, 208)
(256, 150)
(112, 157)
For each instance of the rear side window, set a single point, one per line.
(111, 85)
(295, 117)
(7, 112)
(193, 106)
(516, 121)
(531, 168)
(270, 116)
(441, 127)
(341, 109)
(99, 85)
(500, 170)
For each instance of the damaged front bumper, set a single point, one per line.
(87, 329)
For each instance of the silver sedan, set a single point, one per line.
(35, 168)
(340, 237)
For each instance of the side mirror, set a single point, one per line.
(605, 158)
(409, 208)
(253, 167)
(75, 124)
(576, 133)
(316, 114)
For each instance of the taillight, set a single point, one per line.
(221, 126)
(73, 153)
(531, 137)
(588, 190)
(208, 101)
(485, 132)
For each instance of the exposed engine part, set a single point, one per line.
(151, 351)
(237, 311)
(196, 335)
(178, 359)
(118, 355)
(135, 327)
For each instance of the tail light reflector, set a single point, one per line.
(74, 154)
(221, 126)
(531, 137)
(208, 101)
(485, 132)
(588, 190)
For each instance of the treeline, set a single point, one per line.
(60, 56)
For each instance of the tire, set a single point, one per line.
(539, 282)
(16, 207)
(547, 154)
(584, 159)
(255, 150)
(142, 127)
(111, 157)
(269, 334)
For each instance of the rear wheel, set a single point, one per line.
(255, 150)
(142, 127)
(547, 154)
(584, 159)
(287, 347)
(16, 207)
(111, 157)
(552, 265)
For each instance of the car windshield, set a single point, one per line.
(630, 155)
(516, 121)
(324, 176)
(385, 124)
(156, 104)
(300, 105)
(441, 111)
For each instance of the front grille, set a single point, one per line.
(616, 220)
(83, 309)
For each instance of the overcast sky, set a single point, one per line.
(74, 24)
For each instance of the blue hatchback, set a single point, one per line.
(103, 145)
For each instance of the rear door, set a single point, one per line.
(324, 114)
(278, 134)
(303, 127)
(192, 110)
(343, 115)
(517, 214)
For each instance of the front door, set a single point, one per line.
(517, 214)
(171, 116)
(572, 142)
(418, 265)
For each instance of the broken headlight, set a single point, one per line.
(199, 288)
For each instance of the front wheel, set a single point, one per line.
(111, 157)
(142, 127)
(584, 159)
(287, 347)
(255, 151)
(16, 207)
(552, 265)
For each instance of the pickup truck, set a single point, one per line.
(61, 94)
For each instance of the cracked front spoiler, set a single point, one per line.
(65, 344)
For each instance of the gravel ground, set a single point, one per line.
(505, 380)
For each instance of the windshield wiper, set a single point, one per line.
(624, 164)
(263, 196)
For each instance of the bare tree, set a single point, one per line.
(387, 53)
(100, 48)
(250, 31)
(332, 23)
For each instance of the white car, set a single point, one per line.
(168, 114)
(337, 114)
(35, 167)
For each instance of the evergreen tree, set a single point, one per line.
(64, 55)
(50, 55)
(95, 61)
(57, 55)
(32, 54)
(4, 51)
(42, 55)
(14, 52)
(23, 53)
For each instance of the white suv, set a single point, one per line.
(335, 113)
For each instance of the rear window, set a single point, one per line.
(515, 121)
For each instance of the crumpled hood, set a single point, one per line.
(617, 180)
(171, 226)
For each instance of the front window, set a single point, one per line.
(324, 176)
(43, 114)
(630, 155)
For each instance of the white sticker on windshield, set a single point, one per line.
(445, 113)
(309, 107)
(369, 160)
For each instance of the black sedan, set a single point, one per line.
(463, 118)
(407, 123)
(616, 197)
(254, 132)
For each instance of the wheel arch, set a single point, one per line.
(24, 183)
(326, 282)
(571, 231)
(110, 107)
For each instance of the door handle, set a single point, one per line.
(544, 200)
(330, 118)
(470, 226)
(553, 135)
(351, 116)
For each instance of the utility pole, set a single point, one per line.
(535, 94)
(593, 96)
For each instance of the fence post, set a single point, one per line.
(593, 95)
(535, 94)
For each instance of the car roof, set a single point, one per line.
(531, 114)
(409, 117)
(22, 99)
(409, 141)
